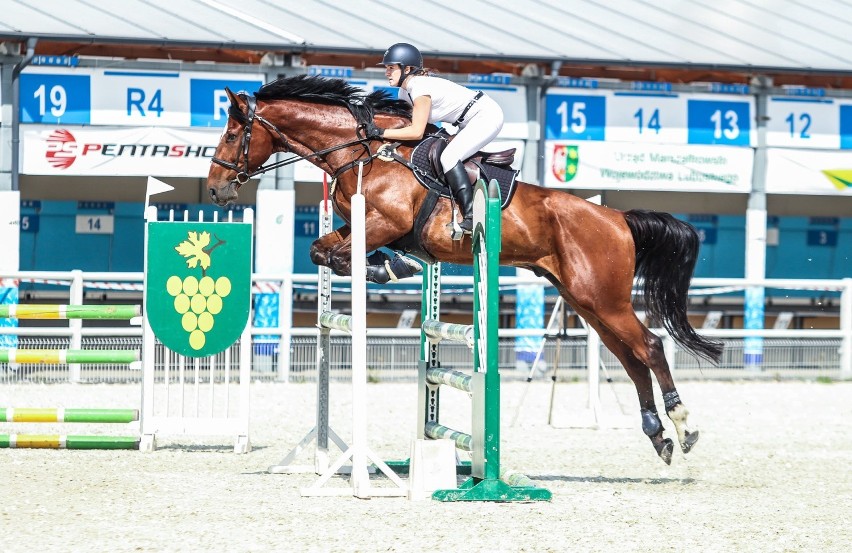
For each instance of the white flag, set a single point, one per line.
(155, 186)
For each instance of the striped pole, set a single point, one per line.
(35, 311)
(437, 431)
(26, 414)
(438, 330)
(455, 379)
(65, 356)
(336, 321)
(55, 441)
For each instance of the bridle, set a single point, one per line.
(245, 173)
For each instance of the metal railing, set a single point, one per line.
(394, 358)
(393, 353)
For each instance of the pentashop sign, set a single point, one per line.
(103, 151)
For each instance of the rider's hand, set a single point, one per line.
(373, 132)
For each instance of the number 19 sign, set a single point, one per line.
(649, 117)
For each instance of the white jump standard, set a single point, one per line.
(358, 453)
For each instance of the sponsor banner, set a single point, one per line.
(624, 166)
(8, 296)
(808, 172)
(136, 151)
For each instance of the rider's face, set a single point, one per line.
(392, 72)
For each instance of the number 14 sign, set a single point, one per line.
(649, 117)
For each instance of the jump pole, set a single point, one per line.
(28, 414)
(44, 312)
(63, 441)
(358, 452)
(75, 313)
(67, 356)
(57, 441)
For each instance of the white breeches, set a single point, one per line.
(483, 123)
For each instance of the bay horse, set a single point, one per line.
(590, 253)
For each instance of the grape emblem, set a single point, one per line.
(198, 301)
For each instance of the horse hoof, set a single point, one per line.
(689, 441)
(665, 450)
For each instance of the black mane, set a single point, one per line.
(333, 91)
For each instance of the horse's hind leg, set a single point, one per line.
(639, 349)
(652, 426)
(678, 413)
(653, 356)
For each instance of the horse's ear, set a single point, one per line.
(232, 97)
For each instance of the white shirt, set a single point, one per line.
(448, 98)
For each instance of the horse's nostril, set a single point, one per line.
(212, 194)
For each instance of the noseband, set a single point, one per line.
(245, 173)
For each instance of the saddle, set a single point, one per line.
(426, 165)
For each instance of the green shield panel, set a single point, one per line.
(198, 284)
(565, 162)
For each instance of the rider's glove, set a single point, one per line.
(373, 132)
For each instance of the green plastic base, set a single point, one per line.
(403, 467)
(492, 490)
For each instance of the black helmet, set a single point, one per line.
(403, 54)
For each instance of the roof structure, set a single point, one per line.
(745, 36)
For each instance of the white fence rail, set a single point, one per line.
(821, 352)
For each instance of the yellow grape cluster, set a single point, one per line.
(199, 301)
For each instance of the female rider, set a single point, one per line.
(434, 99)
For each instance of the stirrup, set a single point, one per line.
(456, 232)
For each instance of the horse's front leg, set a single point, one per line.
(334, 250)
(325, 251)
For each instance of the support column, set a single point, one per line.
(755, 250)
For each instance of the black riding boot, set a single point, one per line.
(463, 193)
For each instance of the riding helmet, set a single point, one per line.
(403, 54)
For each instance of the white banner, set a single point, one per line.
(106, 151)
(809, 172)
(624, 166)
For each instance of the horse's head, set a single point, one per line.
(243, 147)
(311, 117)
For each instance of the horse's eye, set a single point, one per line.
(230, 137)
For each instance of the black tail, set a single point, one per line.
(666, 252)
